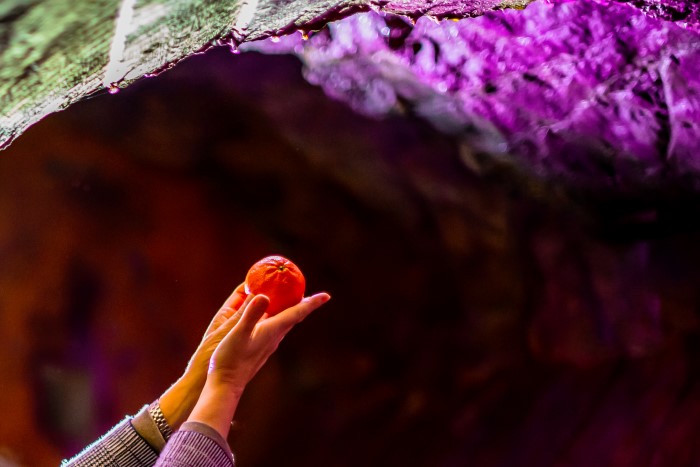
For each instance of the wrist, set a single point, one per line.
(217, 405)
(196, 372)
(221, 383)
(178, 400)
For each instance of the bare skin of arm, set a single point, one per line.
(178, 401)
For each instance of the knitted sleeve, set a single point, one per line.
(196, 444)
(122, 446)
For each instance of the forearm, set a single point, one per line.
(216, 406)
(178, 401)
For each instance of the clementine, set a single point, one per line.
(279, 279)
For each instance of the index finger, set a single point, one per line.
(229, 307)
(235, 300)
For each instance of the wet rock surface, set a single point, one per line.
(470, 325)
(623, 71)
(54, 53)
(597, 98)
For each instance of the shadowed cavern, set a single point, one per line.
(484, 314)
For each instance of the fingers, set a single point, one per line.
(235, 318)
(246, 299)
(228, 309)
(252, 313)
(296, 314)
(235, 300)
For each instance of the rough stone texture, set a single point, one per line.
(53, 53)
(680, 11)
(599, 97)
(469, 325)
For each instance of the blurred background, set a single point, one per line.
(472, 322)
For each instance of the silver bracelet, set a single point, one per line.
(159, 419)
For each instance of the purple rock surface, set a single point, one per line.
(686, 13)
(595, 96)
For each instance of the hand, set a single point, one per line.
(177, 402)
(228, 315)
(252, 338)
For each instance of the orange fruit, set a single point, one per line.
(279, 279)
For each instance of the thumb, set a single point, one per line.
(253, 312)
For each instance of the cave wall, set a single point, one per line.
(54, 53)
(598, 98)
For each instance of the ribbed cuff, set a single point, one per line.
(196, 444)
(208, 431)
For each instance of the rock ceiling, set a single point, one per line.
(602, 96)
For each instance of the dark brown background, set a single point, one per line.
(470, 324)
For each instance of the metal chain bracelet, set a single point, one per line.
(159, 419)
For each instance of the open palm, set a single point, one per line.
(254, 337)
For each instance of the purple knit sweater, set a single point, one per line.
(137, 442)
